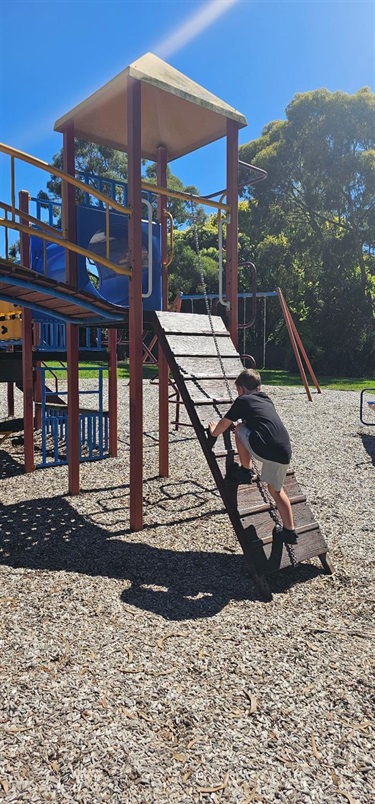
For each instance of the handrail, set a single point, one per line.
(262, 173)
(31, 160)
(30, 218)
(167, 263)
(154, 188)
(262, 177)
(149, 231)
(222, 301)
(14, 153)
(49, 238)
(109, 203)
(52, 236)
(250, 323)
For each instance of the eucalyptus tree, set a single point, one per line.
(312, 222)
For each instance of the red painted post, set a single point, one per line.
(27, 350)
(112, 391)
(299, 342)
(163, 365)
(72, 329)
(10, 398)
(10, 391)
(232, 230)
(297, 355)
(135, 304)
(38, 382)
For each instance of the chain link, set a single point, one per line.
(204, 287)
(262, 486)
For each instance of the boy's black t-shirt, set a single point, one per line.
(269, 437)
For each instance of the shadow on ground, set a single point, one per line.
(49, 534)
(368, 442)
(8, 466)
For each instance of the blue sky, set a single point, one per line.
(255, 55)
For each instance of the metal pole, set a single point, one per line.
(27, 353)
(232, 230)
(69, 206)
(264, 329)
(135, 304)
(112, 391)
(163, 365)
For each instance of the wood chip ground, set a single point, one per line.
(143, 667)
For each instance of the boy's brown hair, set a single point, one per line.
(249, 379)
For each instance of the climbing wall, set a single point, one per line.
(205, 364)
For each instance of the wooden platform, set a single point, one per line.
(191, 344)
(27, 288)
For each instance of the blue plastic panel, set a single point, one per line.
(91, 235)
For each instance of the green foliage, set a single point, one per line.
(99, 160)
(309, 228)
(313, 223)
(180, 210)
(187, 265)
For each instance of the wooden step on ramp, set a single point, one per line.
(191, 347)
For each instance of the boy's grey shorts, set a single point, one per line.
(272, 472)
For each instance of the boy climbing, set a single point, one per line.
(263, 436)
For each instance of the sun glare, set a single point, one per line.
(192, 27)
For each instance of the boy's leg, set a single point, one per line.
(243, 453)
(283, 506)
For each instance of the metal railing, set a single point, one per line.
(15, 219)
(44, 231)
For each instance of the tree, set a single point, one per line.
(180, 210)
(97, 160)
(313, 220)
(100, 161)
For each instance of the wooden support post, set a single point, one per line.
(162, 361)
(10, 391)
(10, 398)
(286, 315)
(27, 350)
(135, 304)
(69, 219)
(299, 342)
(232, 230)
(112, 392)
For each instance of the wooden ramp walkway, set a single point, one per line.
(191, 343)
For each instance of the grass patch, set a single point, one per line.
(278, 377)
(269, 377)
(88, 372)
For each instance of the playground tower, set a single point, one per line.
(152, 111)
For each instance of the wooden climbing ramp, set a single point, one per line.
(205, 364)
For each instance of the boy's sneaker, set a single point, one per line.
(240, 475)
(287, 536)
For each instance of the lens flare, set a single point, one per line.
(192, 27)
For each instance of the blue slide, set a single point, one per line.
(113, 287)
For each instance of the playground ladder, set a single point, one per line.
(188, 342)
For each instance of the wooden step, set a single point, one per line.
(204, 332)
(194, 377)
(257, 509)
(213, 401)
(251, 515)
(204, 355)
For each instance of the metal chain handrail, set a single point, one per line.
(262, 486)
(204, 286)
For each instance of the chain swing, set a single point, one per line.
(261, 486)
